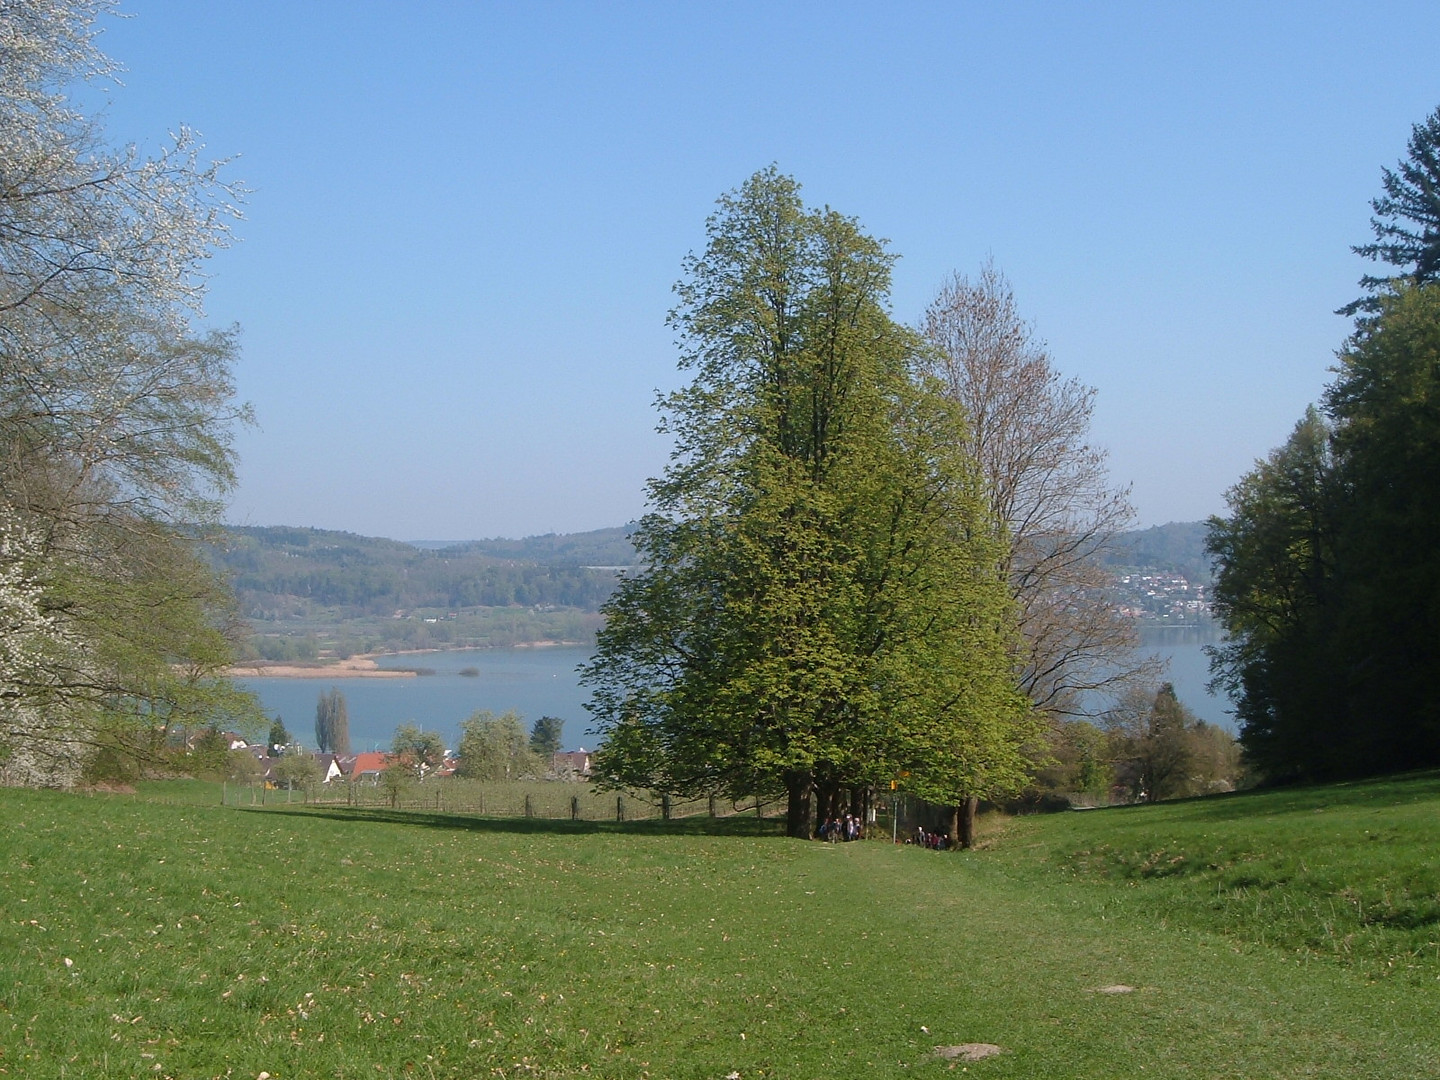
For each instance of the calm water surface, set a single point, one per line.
(539, 682)
(1189, 669)
(534, 682)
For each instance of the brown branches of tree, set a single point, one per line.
(1029, 431)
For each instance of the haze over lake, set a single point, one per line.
(539, 682)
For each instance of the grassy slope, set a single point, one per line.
(311, 944)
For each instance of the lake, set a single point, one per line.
(535, 682)
(539, 682)
(1189, 668)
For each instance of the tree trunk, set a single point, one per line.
(965, 822)
(797, 810)
(827, 802)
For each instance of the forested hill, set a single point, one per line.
(1178, 547)
(276, 570)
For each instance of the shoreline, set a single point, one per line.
(357, 667)
(365, 667)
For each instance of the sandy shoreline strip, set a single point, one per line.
(357, 667)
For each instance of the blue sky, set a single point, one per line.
(466, 219)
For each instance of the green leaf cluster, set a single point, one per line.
(496, 747)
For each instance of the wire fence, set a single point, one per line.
(552, 800)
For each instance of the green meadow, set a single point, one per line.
(1274, 934)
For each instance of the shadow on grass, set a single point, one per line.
(691, 826)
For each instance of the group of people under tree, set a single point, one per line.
(842, 829)
(935, 841)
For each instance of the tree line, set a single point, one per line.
(276, 570)
(1328, 576)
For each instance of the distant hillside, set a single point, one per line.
(311, 593)
(1178, 547)
(599, 547)
(278, 568)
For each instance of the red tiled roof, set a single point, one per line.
(370, 761)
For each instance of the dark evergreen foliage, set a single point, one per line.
(1407, 220)
(545, 737)
(332, 723)
(1328, 572)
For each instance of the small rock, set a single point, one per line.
(969, 1051)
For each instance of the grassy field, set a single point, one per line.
(1273, 934)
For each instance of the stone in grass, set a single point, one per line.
(1117, 988)
(968, 1051)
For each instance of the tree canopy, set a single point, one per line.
(546, 737)
(415, 753)
(1048, 488)
(495, 747)
(821, 604)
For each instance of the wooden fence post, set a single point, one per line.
(529, 810)
(619, 807)
(574, 807)
(665, 807)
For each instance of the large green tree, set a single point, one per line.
(546, 737)
(821, 605)
(414, 752)
(1274, 557)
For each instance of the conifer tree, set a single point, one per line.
(1406, 222)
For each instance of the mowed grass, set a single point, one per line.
(204, 942)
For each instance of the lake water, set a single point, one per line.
(535, 682)
(1189, 669)
(539, 682)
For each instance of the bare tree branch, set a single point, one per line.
(1050, 487)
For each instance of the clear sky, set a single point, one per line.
(466, 217)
